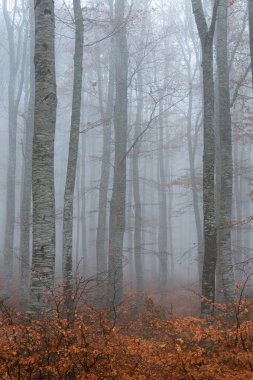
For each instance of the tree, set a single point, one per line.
(250, 6)
(190, 52)
(118, 200)
(206, 35)
(17, 61)
(73, 151)
(25, 215)
(225, 156)
(162, 196)
(107, 116)
(43, 256)
(136, 185)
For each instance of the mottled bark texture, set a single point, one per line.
(210, 235)
(118, 201)
(25, 214)
(250, 6)
(15, 86)
(43, 259)
(73, 152)
(225, 155)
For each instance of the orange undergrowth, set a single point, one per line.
(89, 345)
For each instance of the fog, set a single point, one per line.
(163, 236)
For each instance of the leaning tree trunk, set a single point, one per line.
(43, 260)
(73, 153)
(118, 201)
(25, 217)
(226, 167)
(209, 261)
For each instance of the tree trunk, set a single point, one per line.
(118, 201)
(170, 227)
(25, 214)
(209, 262)
(77, 207)
(250, 5)
(73, 153)
(136, 187)
(163, 229)
(14, 96)
(83, 211)
(225, 155)
(43, 260)
(105, 170)
(193, 180)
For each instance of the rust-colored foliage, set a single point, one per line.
(88, 345)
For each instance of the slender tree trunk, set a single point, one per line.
(118, 201)
(163, 229)
(73, 152)
(43, 260)
(107, 116)
(194, 181)
(170, 229)
(25, 217)
(238, 201)
(78, 213)
(129, 223)
(14, 95)
(136, 187)
(226, 165)
(130, 240)
(83, 211)
(129, 203)
(144, 201)
(210, 236)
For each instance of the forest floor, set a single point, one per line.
(152, 344)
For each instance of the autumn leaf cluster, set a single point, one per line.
(89, 344)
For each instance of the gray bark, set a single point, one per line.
(170, 230)
(250, 6)
(25, 214)
(129, 202)
(77, 206)
(43, 259)
(83, 212)
(195, 199)
(106, 116)
(162, 227)
(210, 235)
(136, 187)
(73, 152)
(14, 95)
(129, 211)
(225, 155)
(118, 201)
